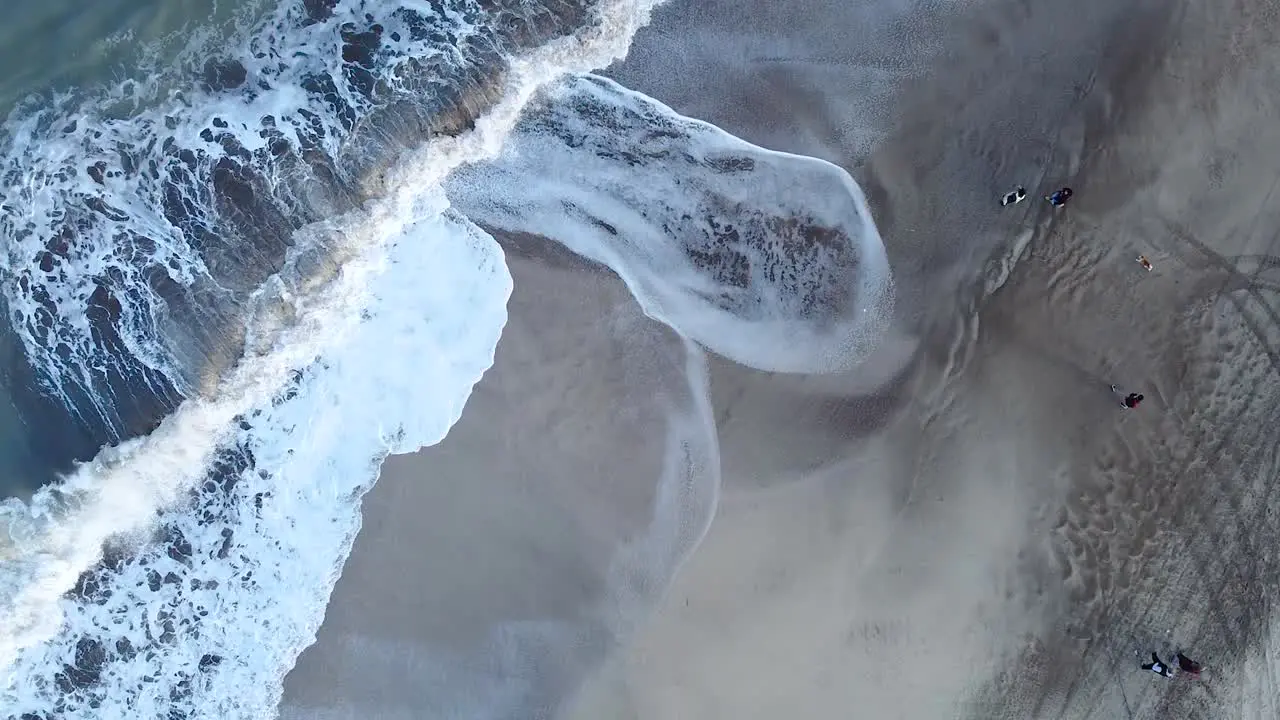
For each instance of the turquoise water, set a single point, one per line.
(178, 255)
(55, 46)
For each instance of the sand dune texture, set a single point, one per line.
(966, 526)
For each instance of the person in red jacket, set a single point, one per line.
(1187, 665)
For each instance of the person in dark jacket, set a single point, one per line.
(1158, 667)
(1059, 197)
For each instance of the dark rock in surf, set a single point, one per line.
(124, 649)
(318, 10)
(223, 74)
(87, 670)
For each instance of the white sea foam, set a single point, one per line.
(227, 613)
(501, 666)
(397, 381)
(768, 258)
(524, 668)
(382, 357)
(105, 189)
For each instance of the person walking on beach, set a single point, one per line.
(1130, 401)
(1158, 667)
(1014, 197)
(1059, 197)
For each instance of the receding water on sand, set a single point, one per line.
(239, 276)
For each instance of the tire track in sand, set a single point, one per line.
(1222, 425)
(1136, 506)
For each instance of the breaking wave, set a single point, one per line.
(251, 278)
(225, 256)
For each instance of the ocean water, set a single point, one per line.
(248, 255)
(57, 46)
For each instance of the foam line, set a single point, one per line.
(768, 258)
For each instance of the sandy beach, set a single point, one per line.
(967, 525)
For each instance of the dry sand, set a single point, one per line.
(968, 526)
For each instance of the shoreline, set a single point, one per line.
(967, 525)
(518, 549)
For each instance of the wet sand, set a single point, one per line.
(969, 525)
